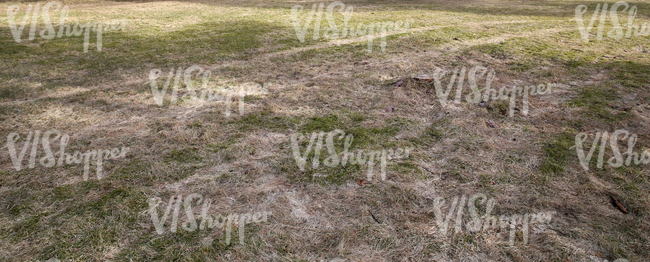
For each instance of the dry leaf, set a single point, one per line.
(617, 204)
(398, 83)
(360, 182)
(618, 107)
(491, 124)
(425, 78)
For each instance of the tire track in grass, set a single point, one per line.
(340, 42)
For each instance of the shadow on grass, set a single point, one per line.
(506, 8)
(207, 43)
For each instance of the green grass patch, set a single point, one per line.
(558, 153)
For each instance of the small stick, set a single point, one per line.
(373, 217)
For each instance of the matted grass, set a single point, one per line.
(244, 163)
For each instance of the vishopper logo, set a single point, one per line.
(49, 32)
(617, 31)
(49, 160)
(486, 222)
(616, 160)
(208, 221)
(334, 159)
(474, 76)
(335, 31)
(204, 93)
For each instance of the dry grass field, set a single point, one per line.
(236, 153)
